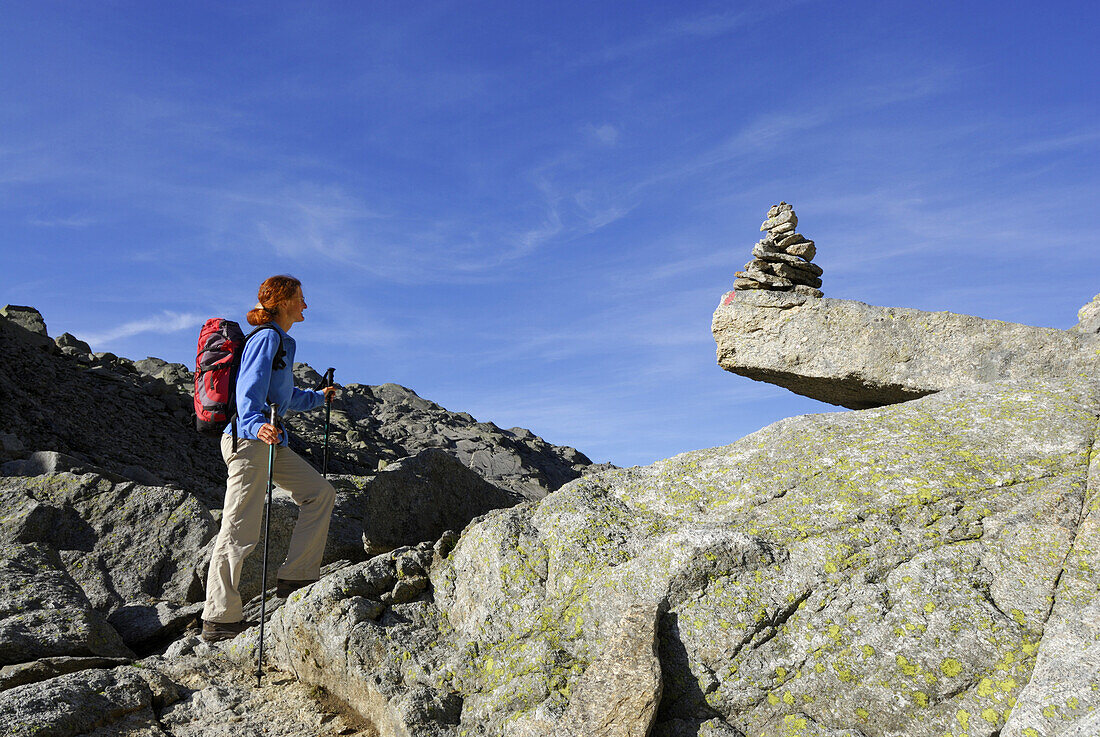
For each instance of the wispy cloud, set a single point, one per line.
(303, 212)
(606, 134)
(598, 210)
(165, 322)
(301, 220)
(371, 334)
(648, 334)
(61, 222)
(702, 265)
(307, 222)
(698, 26)
(987, 225)
(531, 240)
(768, 131)
(1068, 142)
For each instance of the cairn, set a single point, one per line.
(782, 260)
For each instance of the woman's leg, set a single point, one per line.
(242, 514)
(314, 497)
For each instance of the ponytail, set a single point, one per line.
(260, 315)
(273, 292)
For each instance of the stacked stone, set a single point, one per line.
(782, 260)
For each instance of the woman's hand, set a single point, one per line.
(329, 392)
(269, 434)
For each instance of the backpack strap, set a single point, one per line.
(277, 363)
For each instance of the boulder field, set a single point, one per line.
(110, 501)
(922, 569)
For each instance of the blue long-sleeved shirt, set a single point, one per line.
(257, 384)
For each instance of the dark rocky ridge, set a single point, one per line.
(133, 418)
(105, 411)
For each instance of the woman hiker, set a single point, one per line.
(265, 376)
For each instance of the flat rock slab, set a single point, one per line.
(79, 703)
(46, 668)
(860, 356)
(200, 694)
(219, 700)
(137, 552)
(44, 613)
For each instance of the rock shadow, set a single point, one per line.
(684, 711)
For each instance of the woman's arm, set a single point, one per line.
(305, 399)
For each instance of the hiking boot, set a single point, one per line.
(284, 587)
(218, 631)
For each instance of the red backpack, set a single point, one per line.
(217, 360)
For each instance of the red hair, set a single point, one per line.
(273, 293)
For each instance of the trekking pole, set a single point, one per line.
(327, 380)
(267, 526)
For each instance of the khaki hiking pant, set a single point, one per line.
(242, 518)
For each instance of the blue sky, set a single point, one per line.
(529, 211)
